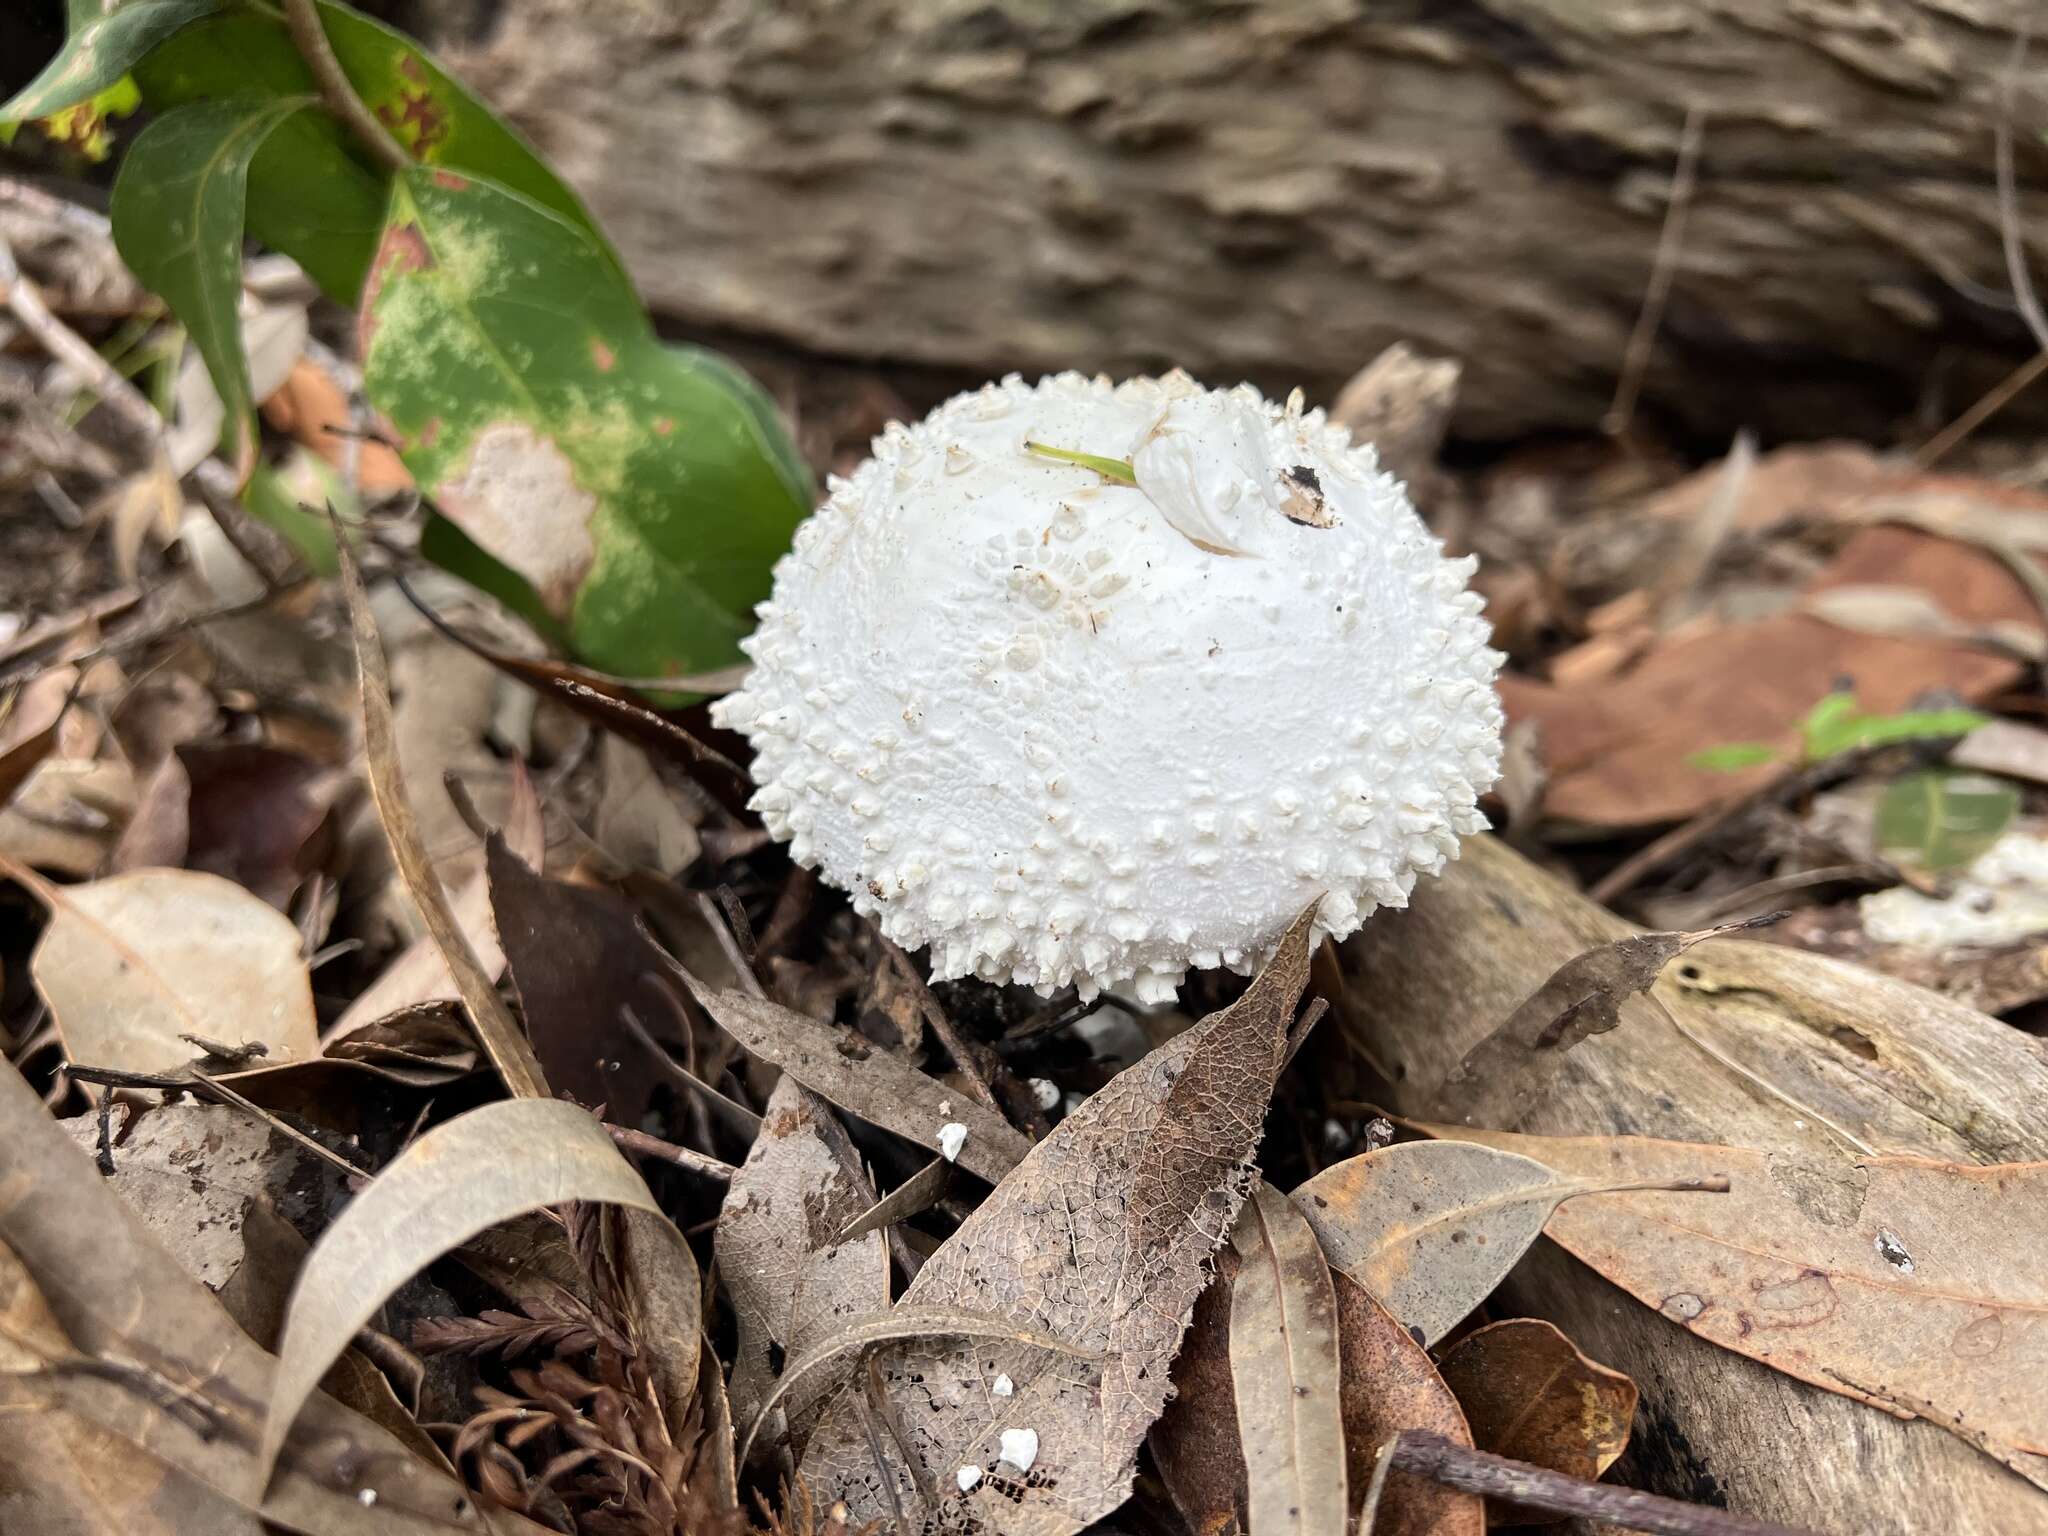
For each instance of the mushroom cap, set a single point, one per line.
(1066, 730)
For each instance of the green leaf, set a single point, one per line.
(637, 490)
(177, 211)
(270, 501)
(1835, 726)
(1733, 757)
(1941, 820)
(104, 39)
(311, 194)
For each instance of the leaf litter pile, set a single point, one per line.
(435, 1105)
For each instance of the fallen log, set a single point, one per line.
(1892, 1065)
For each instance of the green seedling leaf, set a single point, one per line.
(480, 1169)
(1734, 757)
(1119, 470)
(177, 210)
(635, 489)
(1939, 820)
(104, 39)
(1836, 726)
(311, 195)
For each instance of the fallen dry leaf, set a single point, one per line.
(1283, 1367)
(1196, 1442)
(197, 1174)
(64, 1475)
(791, 1282)
(1530, 1394)
(1430, 1228)
(488, 1166)
(1513, 1068)
(1389, 1385)
(577, 957)
(497, 1031)
(1616, 749)
(1101, 1237)
(252, 812)
(131, 964)
(864, 1079)
(1899, 1280)
(124, 1303)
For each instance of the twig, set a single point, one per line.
(302, 20)
(1787, 784)
(25, 300)
(1636, 359)
(1518, 1482)
(1988, 405)
(748, 1120)
(653, 1146)
(963, 1056)
(2023, 294)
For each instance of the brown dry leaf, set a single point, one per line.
(1507, 1073)
(1431, 1227)
(577, 957)
(68, 814)
(497, 1031)
(640, 822)
(790, 1282)
(488, 1166)
(161, 1337)
(61, 1475)
(1903, 1281)
(30, 717)
(197, 1175)
(252, 813)
(1389, 1385)
(311, 407)
(1101, 1237)
(1616, 749)
(863, 1079)
(1195, 1442)
(1530, 1394)
(1283, 1367)
(131, 964)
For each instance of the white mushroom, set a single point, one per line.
(1068, 729)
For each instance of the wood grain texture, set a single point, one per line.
(1898, 1067)
(1278, 191)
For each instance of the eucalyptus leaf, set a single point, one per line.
(638, 490)
(103, 40)
(479, 1169)
(1940, 820)
(178, 212)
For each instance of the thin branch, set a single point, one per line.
(302, 20)
(653, 1146)
(1989, 404)
(1532, 1487)
(1636, 359)
(2023, 294)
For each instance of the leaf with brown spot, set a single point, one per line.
(1530, 1394)
(1390, 1385)
(1904, 1281)
(1283, 1367)
(790, 1281)
(1431, 1227)
(1100, 1237)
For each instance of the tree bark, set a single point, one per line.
(1277, 191)
(1898, 1067)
